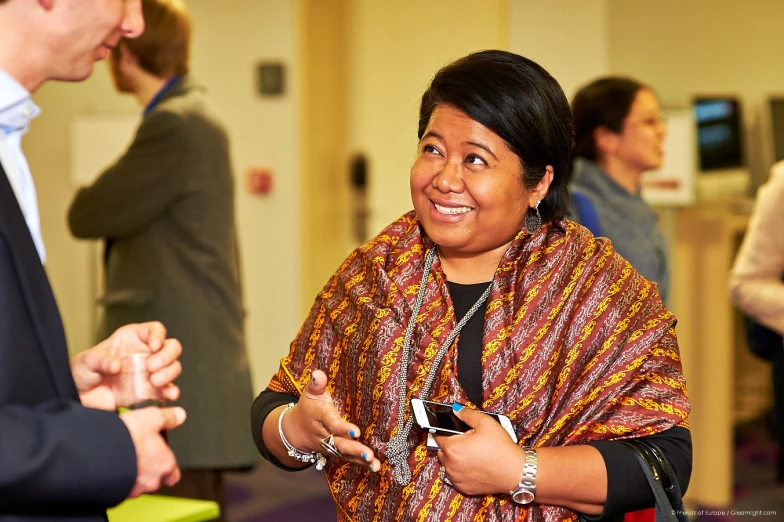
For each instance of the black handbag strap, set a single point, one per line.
(663, 482)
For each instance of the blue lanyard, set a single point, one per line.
(157, 98)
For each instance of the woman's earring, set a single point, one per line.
(533, 220)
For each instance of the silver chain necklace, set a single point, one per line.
(397, 449)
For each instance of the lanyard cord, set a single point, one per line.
(397, 449)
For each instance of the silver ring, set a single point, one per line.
(328, 444)
(444, 478)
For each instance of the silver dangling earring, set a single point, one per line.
(533, 220)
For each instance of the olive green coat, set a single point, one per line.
(166, 211)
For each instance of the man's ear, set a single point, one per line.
(539, 191)
(605, 139)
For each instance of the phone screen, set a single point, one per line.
(442, 416)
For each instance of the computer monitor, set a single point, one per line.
(719, 133)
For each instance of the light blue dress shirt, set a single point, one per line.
(16, 111)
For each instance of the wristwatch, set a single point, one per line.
(525, 491)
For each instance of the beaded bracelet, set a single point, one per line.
(293, 452)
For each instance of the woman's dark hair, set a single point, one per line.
(602, 103)
(519, 101)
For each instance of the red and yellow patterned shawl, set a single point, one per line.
(577, 347)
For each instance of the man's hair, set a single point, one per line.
(519, 101)
(163, 49)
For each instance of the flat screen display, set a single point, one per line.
(719, 132)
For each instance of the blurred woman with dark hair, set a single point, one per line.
(619, 134)
(556, 331)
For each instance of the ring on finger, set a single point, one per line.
(328, 444)
(444, 478)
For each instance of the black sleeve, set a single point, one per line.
(627, 487)
(60, 456)
(267, 401)
(140, 186)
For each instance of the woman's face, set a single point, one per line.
(641, 142)
(467, 185)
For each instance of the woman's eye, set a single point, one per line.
(430, 149)
(473, 159)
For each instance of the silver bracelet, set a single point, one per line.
(293, 452)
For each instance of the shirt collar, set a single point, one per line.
(588, 173)
(160, 94)
(16, 106)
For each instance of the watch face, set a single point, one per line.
(523, 496)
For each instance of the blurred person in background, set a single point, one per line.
(619, 134)
(173, 254)
(65, 453)
(485, 298)
(756, 286)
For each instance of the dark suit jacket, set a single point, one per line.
(58, 459)
(167, 208)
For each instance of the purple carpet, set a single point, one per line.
(268, 494)
(758, 496)
(305, 510)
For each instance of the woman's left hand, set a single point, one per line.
(483, 460)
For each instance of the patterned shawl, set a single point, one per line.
(577, 347)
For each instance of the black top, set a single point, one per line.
(627, 487)
(469, 344)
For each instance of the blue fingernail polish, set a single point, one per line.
(457, 407)
(364, 456)
(353, 433)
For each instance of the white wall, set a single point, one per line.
(228, 42)
(395, 49)
(567, 37)
(704, 47)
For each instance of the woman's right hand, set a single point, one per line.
(315, 417)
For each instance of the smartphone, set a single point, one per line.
(439, 419)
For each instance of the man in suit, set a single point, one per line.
(65, 454)
(172, 255)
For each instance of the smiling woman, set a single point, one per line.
(468, 193)
(485, 296)
(494, 181)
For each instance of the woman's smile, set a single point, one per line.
(447, 213)
(463, 167)
(451, 210)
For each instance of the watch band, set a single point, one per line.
(525, 492)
